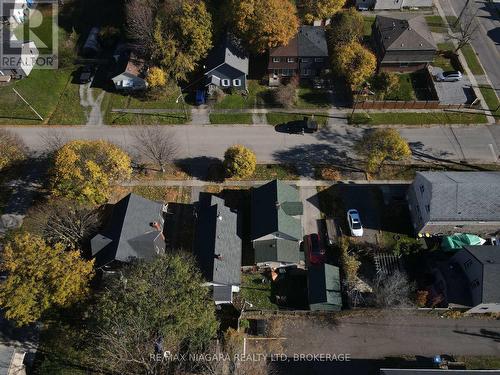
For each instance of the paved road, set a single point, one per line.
(393, 334)
(332, 144)
(487, 41)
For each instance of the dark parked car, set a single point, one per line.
(314, 248)
(86, 74)
(306, 125)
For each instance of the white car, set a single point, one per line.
(354, 223)
(452, 76)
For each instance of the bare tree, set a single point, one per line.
(53, 140)
(156, 144)
(467, 27)
(140, 24)
(65, 222)
(393, 290)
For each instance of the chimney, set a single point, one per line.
(156, 225)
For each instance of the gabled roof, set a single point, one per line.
(310, 41)
(274, 206)
(324, 285)
(489, 257)
(277, 250)
(130, 66)
(217, 241)
(405, 32)
(230, 52)
(129, 233)
(463, 196)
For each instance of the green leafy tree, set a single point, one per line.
(354, 62)
(155, 306)
(86, 170)
(239, 161)
(40, 277)
(264, 24)
(346, 27)
(381, 145)
(12, 149)
(156, 77)
(321, 9)
(174, 35)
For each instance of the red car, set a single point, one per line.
(314, 248)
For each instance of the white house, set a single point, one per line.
(21, 65)
(130, 74)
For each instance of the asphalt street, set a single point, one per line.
(393, 333)
(332, 144)
(487, 41)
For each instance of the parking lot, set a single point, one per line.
(459, 92)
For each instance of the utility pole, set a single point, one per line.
(461, 13)
(28, 104)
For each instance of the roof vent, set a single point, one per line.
(218, 256)
(402, 44)
(219, 216)
(278, 205)
(490, 261)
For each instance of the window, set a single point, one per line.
(236, 82)
(474, 283)
(276, 59)
(304, 59)
(306, 72)
(467, 263)
(318, 59)
(422, 189)
(287, 72)
(403, 65)
(226, 82)
(290, 60)
(428, 208)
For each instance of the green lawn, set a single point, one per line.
(472, 60)
(367, 26)
(274, 171)
(230, 118)
(414, 118)
(258, 95)
(69, 111)
(43, 89)
(405, 90)
(308, 97)
(113, 100)
(443, 62)
(256, 292)
(447, 46)
(276, 118)
(436, 24)
(491, 99)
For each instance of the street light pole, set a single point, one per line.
(183, 103)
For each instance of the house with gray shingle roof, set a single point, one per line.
(227, 65)
(471, 278)
(403, 42)
(134, 231)
(276, 229)
(455, 202)
(218, 247)
(305, 55)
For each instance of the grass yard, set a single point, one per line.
(231, 118)
(472, 60)
(443, 62)
(367, 26)
(308, 97)
(414, 118)
(276, 118)
(491, 99)
(275, 171)
(164, 193)
(43, 89)
(258, 95)
(69, 111)
(447, 46)
(405, 90)
(436, 24)
(256, 292)
(480, 363)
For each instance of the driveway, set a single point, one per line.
(459, 92)
(312, 214)
(393, 333)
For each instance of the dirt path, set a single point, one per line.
(92, 105)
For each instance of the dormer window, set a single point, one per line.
(276, 59)
(291, 60)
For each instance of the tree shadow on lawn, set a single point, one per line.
(204, 168)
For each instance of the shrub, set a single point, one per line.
(239, 161)
(286, 95)
(156, 77)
